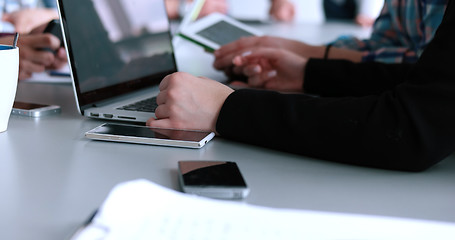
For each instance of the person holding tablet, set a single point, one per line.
(390, 41)
(391, 116)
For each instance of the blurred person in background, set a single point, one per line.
(400, 34)
(29, 18)
(363, 12)
(281, 10)
(24, 15)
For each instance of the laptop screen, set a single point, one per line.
(116, 46)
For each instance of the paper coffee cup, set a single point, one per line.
(9, 71)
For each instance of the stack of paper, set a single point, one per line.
(143, 210)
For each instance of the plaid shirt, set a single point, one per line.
(400, 33)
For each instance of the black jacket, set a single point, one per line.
(387, 116)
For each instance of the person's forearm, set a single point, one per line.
(344, 54)
(310, 51)
(374, 131)
(410, 127)
(338, 78)
(307, 51)
(406, 128)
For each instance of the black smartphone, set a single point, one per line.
(53, 27)
(215, 179)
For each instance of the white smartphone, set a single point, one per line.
(147, 135)
(215, 30)
(215, 179)
(34, 109)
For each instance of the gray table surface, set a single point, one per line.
(52, 177)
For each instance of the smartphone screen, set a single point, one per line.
(28, 106)
(216, 179)
(211, 173)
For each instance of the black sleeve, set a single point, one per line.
(341, 78)
(410, 127)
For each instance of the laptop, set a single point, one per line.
(118, 52)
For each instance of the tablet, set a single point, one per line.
(216, 30)
(147, 135)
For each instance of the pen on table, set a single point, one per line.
(92, 216)
(59, 74)
(16, 37)
(81, 228)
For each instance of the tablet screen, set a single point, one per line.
(223, 33)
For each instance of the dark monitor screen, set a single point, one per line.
(116, 46)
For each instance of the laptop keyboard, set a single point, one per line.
(146, 105)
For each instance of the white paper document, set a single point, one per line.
(55, 76)
(142, 210)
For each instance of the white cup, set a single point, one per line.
(9, 71)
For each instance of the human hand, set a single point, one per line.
(172, 8)
(31, 56)
(364, 20)
(282, 10)
(60, 58)
(27, 19)
(272, 68)
(189, 102)
(211, 6)
(225, 54)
